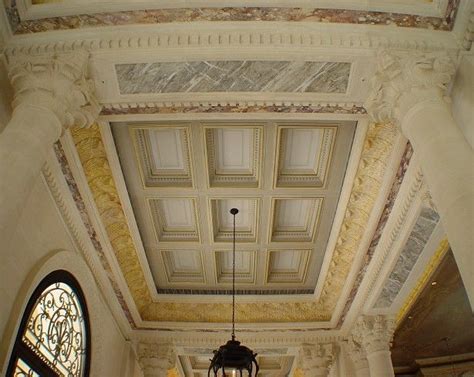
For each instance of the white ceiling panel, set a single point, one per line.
(163, 156)
(304, 156)
(295, 219)
(245, 221)
(183, 266)
(175, 219)
(233, 156)
(244, 266)
(287, 266)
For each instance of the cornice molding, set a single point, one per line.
(248, 35)
(260, 338)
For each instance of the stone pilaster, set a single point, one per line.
(410, 91)
(51, 93)
(155, 359)
(374, 334)
(316, 360)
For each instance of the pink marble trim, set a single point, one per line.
(158, 16)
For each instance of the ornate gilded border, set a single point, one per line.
(375, 155)
(433, 264)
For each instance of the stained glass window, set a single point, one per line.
(54, 334)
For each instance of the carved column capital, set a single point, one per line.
(403, 80)
(374, 333)
(59, 83)
(155, 358)
(317, 359)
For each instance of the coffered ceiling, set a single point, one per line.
(284, 177)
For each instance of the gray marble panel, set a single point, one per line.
(415, 244)
(233, 76)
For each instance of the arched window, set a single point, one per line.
(54, 335)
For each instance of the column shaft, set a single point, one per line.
(447, 162)
(380, 364)
(24, 145)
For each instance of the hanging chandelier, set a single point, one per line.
(232, 357)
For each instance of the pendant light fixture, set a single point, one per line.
(232, 357)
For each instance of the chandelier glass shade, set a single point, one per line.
(233, 359)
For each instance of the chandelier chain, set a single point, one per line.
(233, 281)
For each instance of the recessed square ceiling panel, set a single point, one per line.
(244, 266)
(295, 219)
(233, 156)
(164, 156)
(175, 219)
(304, 156)
(245, 220)
(287, 266)
(285, 178)
(183, 266)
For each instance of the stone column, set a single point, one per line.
(358, 357)
(51, 93)
(410, 90)
(374, 334)
(316, 359)
(155, 358)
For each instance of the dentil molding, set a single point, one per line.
(258, 34)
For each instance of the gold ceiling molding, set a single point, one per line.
(433, 264)
(375, 156)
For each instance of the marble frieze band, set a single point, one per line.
(233, 76)
(159, 16)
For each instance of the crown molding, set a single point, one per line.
(392, 234)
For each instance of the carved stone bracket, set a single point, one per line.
(374, 333)
(59, 83)
(404, 80)
(155, 358)
(317, 359)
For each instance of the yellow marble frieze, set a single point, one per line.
(375, 155)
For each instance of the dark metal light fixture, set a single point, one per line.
(232, 357)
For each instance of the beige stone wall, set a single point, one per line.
(40, 237)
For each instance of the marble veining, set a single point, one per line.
(233, 76)
(415, 244)
(235, 109)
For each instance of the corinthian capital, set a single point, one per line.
(59, 83)
(317, 359)
(404, 80)
(374, 333)
(155, 358)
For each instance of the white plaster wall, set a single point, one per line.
(462, 95)
(33, 250)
